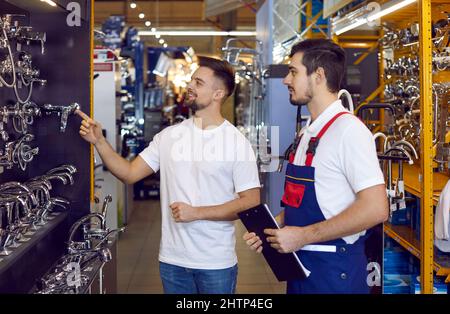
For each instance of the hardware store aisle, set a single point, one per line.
(137, 265)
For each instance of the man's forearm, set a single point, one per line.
(358, 217)
(117, 165)
(227, 211)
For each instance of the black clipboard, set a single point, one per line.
(285, 266)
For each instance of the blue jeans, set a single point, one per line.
(181, 280)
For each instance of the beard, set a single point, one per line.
(196, 106)
(305, 100)
(193, 104)
(299, 102)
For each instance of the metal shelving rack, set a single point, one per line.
(426, 148)
(420, 180)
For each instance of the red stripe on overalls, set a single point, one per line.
(314, 141)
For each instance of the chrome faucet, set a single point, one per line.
(70, 168)
(25, 35)
(41, 187)
(75, 247)
(56, 177)
(48, 208)
(5, 234)
(82, 253)
(63, 111)
(18, 152)
(14, 185)
(106, 201)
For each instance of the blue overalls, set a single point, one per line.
(336, 267)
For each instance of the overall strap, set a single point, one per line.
(314, 141)
(293, 148)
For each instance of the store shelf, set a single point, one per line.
(8, 261)
(405, 236)
(411, 175)
(92, 271)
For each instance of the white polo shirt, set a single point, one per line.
(345, 161)
(200, 168)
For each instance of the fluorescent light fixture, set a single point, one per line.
(389, 8)
(148, 23)
(141, 15)
(133, 5)
(199, 33)
(386, 8)
(49, 2)
(356, 24)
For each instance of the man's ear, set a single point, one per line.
(219, 94)
(320, 75)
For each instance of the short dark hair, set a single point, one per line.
(222, 70)
(326, 54)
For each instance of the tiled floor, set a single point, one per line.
(138, 270)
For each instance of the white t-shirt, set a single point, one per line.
(200, 168)
(345, 161)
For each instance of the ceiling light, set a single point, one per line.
(199, 33)
(49, 2)
(161, 41)
(385, 9)
(153, 29)
(165, 45)
(157, 35)
(141, 15)
(148, 23)
(133, 5)
(389, 8)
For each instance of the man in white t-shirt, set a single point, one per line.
(208, 174)
(334, 188)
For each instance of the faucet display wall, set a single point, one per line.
(45, 77)
(17, 72)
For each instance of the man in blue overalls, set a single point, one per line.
(334, 188)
